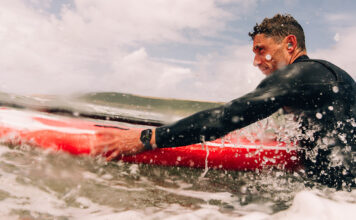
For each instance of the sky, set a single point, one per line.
(187, 49)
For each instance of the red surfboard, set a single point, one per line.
(78, 136)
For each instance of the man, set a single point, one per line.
(318, 93)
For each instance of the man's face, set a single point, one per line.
(270, 55)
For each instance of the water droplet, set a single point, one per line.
(335, 89)
(337, 37)
(342, 137)
(235, 119)
(319, 115)
(268, 57)
(331, 107)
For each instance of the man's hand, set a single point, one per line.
(114, 143)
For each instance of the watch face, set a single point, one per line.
(146, 136)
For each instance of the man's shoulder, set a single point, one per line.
(304, 69)
(303, 72)
(317, 63)
(312, 69)
(339, 74)
(312, 64)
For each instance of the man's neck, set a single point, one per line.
(296, 55)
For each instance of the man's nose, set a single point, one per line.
(257, 60)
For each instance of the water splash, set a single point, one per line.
(206, 169)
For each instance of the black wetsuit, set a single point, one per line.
(319, 93)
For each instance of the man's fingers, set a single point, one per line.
(103, 148)
(105, 143)
(113, 143)
(113, 155)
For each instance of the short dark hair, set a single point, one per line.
(279, 27)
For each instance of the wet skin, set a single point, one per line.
(272, 54)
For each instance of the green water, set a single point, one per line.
(168, 106)
(111, 106)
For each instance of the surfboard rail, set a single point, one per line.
(78, 136)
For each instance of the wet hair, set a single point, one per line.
(279, 27)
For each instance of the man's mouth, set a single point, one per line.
(264, 70)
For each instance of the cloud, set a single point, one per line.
(127, 22)
(90, 45)
(100, 45)
(138, 73)
(215, 77)
(342, 53)
(228, 76)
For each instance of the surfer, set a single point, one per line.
(319, 94)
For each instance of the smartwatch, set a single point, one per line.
(146, 136)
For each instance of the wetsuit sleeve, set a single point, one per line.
(214, 123)
(282, 88)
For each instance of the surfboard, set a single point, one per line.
(77, 136)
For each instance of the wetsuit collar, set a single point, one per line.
(301, 58)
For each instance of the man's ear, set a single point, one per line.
(291, 42)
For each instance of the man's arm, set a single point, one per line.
(214, 123)
(202, 126)
(283, 88)
(297, 85)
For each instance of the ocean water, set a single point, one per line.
(45, 185)
(37, 184)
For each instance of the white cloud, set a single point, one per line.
(40, 3)
(97, 45)
(153, 21)
(137, 73)
(342, 53)
(228, 76)
(100, 45)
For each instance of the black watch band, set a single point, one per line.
(146, 136)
